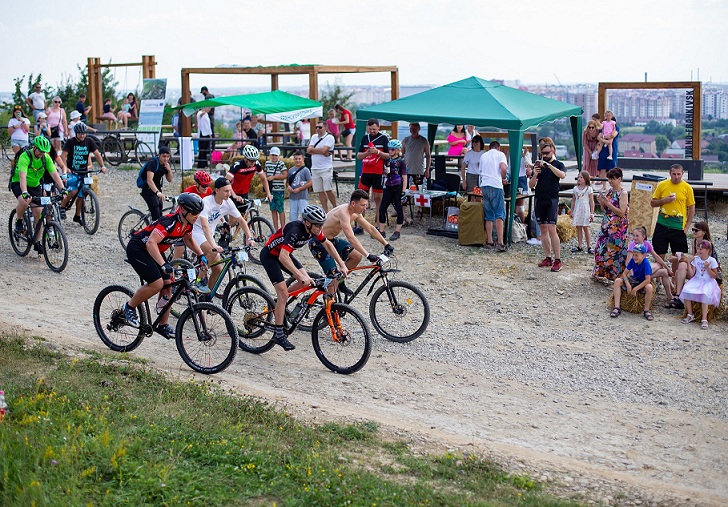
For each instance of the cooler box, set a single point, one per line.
(471, 228)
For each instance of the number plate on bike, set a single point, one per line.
(257, 202)
(383, 258)
(88, 180)
(45, 201)
(242, 256)
(47, 186)
(191, 274)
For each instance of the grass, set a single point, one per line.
(103, 430)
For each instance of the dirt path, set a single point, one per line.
(518, 363)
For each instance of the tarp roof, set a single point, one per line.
(276, 105)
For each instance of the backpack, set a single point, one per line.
(14, 162)
(141, 180)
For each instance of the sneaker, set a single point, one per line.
(63, 214)
(77, 219)
(282, 340)
(19, 227)
(501, 248)
(202, 287)
(557, 265)
(165, 330)
(358, 230)
(38, 248)
(394, 236)
(383, 233)
(545, 263)
(130, 315)
(345, 290)
(609, 158)
(534, 242)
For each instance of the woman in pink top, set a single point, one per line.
(332, 125)
(58, 123)
(589, 141)
(457, 141)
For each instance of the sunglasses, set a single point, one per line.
(591, 127)
(56, 101)
(697, 230)
(319, 126)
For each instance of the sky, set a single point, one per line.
(432, 42)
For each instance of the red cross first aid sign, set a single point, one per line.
(422, 200)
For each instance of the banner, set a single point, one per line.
(294, 116)
(151, 111)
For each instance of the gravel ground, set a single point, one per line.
(518, 363)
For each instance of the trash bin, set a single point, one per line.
(641, 211)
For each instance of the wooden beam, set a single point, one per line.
(185, 123)
(285, 69)
(394, 94)
(135, 64)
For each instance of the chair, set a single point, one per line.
(451, 183)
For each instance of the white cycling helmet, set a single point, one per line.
(251, 152)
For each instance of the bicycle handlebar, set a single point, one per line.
(46, 200)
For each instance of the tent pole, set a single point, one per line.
(576, 132)
(515, 141)
(361, 126)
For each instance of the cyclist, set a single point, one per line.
(145, 250)
(76, 153)
(277, 256)
(153, 173)
(242, 172)
(217, 206)
(202, 184)
(25, 183)
(350, 249)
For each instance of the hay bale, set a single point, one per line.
(564, 228)
(95, 184)
(714, 313)
(630, 303)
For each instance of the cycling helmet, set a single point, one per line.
(202, 178)
(79, 128)
(42, 143)
(251, 152)
(395, 144)
(190, 202)
(314, 214)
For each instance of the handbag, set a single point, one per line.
(519, 232)
(307, 160)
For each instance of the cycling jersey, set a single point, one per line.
(289, 237)
(169, 227)
(243, 176)
(193, 190)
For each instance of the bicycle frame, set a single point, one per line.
(178, 287)
(83, 187)
(333, 321)
(45, 213)
(377, 271)
(232, 261)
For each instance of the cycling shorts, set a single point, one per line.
(273, 266)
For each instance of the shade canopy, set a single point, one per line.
(276, 105)
(475, 101)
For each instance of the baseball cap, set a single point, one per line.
(222, 181)
(275, 150)
(640, 248)
(75, 115)
(42, 115)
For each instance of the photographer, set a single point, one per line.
(547, 172)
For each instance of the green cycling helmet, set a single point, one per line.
(42, 144)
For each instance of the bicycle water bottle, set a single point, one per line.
(297, 310)
(3, 405)
(160, 304)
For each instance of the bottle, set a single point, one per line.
(297, 310)
(424, 184)
(3, 405)
(160, 304)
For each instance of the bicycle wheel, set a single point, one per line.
(90, 214)
(261, 229)
(205, 338)
(179, 306)
(112, 150)
(131, 222)
(55, 246)
(346, 347)
(21, 242)
(306, 323)
(108, 315)
(251, 310)
(142, 152)
(239, 281)
(404, 318)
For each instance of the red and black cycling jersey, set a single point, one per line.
(289, 237)
(169, 227)
(243, 176)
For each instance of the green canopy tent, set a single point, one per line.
(474, 101)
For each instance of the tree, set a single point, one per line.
(332, 95)
(21, 93)
(661, 143)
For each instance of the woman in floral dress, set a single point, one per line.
(611, 247)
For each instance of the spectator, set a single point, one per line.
(457, 141)
(133, 109)
(394, 181)
(58, 123)
(277, 173)
(18, 128)
(204, 133)
(249, 132)
(604, 163)
(493, 170)
(321, 149)
(258, 128)
(681, 261)
(82, 108)
(660, 269)
(470, 132)
(589, 141)
(701, 286)
(676, 201)
(610, 249)
(416, 153)
(211, 113)
(299, 181)
(41, 127)
(524, 172)
(607, 134)
(635, 279)
(373, 152)
(545, 179)
(109, 113)
(124, 114)
(470, 168)
(346, 120)
(239, 135)
(36, 101)
(153, 173)
(303, 131)
(332, 125)
(582, 211)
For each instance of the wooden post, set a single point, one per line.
(185, 123)
(394, 76)
(313, 94)
(148, 67)
(697, 113)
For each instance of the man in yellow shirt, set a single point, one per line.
(676, 201)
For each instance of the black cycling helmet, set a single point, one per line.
(314, 214)
(79, 128)
(190, 202)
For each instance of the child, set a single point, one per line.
(109, 114)
(124, 112)
(701, 287)
(299, 181)
(42, 128)
(237, 146)
(75, 119)
(394, 181)
(606, 135)
(635, 278)
(596, 118)
(660, 269)
(277, 174)
(582, 211)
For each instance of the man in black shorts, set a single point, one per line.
(547, 173)
(145, 250)
(277, 256)
(373, 151)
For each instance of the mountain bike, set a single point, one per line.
(90, 211)
(205, 335)
(399, 311)
(135, 220)
(120, 148)
(340, 336)
(52, 238)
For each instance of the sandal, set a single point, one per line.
(590, 251)
(616, 313)
(690, 318)
(648, 315)
(675, 304)
(703, 324)
(577, 249)
(490, 246)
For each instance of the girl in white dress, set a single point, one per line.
(582, 211)
(701, 287)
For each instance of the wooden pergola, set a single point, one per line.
(313, 72)
(95, 93)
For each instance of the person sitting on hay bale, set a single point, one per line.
(635, 279)
(701, 287)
